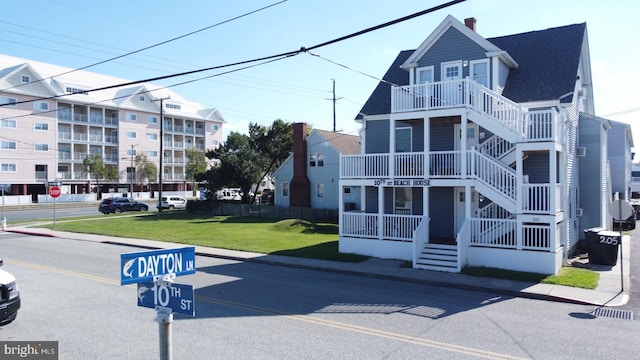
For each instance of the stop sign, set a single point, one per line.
(54, 191)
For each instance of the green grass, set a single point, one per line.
(567, 276)
(291, 237)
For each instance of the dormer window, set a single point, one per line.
(25, 79)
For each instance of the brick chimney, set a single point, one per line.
(300, 186)
(470, 23)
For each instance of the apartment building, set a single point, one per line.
(51, 120)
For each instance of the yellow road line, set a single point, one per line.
(306, 318)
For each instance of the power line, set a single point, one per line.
(160, 43)
(264, 58)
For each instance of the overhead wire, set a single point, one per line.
(264, 58)
(160, 43)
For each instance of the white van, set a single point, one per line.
(10, 302)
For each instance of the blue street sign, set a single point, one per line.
(143, 266)
(177, 297)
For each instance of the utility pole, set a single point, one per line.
(334, 104)
(161, 150)
(131, 172)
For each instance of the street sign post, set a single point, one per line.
(54, 192)
(161, 267)
(177, 297)
(621, 210)
(143, 266)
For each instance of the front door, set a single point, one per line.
(460, 210)
(452, 86)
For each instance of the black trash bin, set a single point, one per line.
(603, 247)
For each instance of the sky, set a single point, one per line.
(299, 88)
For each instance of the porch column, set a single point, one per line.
(553, 174)
(392, 148)
(519, 181)
(427, 149)
(380, 211)
(463, 145)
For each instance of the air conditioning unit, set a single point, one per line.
(581, 151)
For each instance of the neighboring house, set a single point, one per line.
(620, 158)
(309, 177)
(51, 120)
(469, 153)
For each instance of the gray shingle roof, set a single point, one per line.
(548, 64)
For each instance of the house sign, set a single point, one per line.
(403, 182)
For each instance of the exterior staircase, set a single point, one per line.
(438, 257)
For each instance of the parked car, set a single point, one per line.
(10, 301)
(172, 202)
(228, 195)
(117, 205)
(629, 223)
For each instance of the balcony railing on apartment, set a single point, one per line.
(534, 125)
(503, 233)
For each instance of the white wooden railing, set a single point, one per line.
(420, 237)
(494, 211)
(462, 243)
(492, 173)
(456, 93)
(409, 165)
(364, 166)
(496, 147)
(503, 233)
(387, 226)
(493, 232)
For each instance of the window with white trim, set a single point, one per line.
(25, 79)
(141, 98)
(312, 160)
(8, 145)
(41, 147)
(153, 153)
(8, 123)
(479, 71)
(320, 189)
(214, 142)
(424, 75)
(132, 152)
(131, 117)
(131, 135)
(214, 127)
(41, 106)
(8, 101)
(152, 119)
(320, 159)
(285, 189)
(152, 136)
(8, 167)
(41, 126)
(173, 106)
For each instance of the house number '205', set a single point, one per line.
(610, 240)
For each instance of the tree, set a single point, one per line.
(94, 166)
(196, 165)
(145, 169)
(247, 159)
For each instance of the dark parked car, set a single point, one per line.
(117, 205)
(629, 223)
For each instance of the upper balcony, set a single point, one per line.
(498, 112)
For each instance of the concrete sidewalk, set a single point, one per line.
(608, 292)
